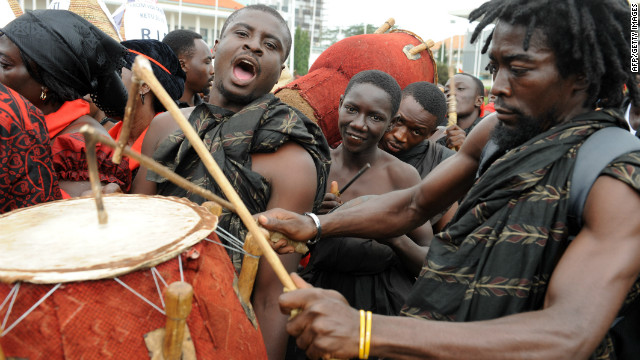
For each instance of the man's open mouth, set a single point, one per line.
(244, 70)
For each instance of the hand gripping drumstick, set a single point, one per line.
(142, 68)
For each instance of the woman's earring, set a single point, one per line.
(43, 95)
(142, 98)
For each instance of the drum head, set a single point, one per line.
(61, 241)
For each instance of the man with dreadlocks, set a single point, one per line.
(506, 280)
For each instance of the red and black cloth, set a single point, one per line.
(27, 176)
(69, 157)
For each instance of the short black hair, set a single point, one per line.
(182, 42)
(268, 10)
(590, 37)
(429, 97)
(478, 82)
(382, 80)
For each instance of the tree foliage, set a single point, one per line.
(301, 52)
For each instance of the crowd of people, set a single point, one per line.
(454, 243)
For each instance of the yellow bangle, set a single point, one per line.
(361, 343)
(367, 336)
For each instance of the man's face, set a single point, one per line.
(199, 68)
(363, 117)
(467, 100)
(531, 96)
(413, 126)
(249, 57)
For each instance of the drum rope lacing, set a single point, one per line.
(234, 245)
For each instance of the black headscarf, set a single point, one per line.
(164, 62)
(74, 53)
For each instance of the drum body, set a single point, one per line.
(101, 319)
(317, 94)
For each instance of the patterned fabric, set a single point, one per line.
(26, 172)
(496, 258)
(261, 127)
(424, 157)
(68, 150)
(70, 162)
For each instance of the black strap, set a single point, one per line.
(598, 151)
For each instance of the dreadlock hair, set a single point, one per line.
(182, 42)
(266, 9)
(381, 80)
(590, 37)
(429, 97)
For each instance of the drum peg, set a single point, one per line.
(413, 52)
(386, 26)
(178, 299)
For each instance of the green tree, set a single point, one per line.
(332, 35)
(301, 52)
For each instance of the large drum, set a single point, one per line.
(101, 318)
(317, 94)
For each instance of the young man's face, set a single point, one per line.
(413, 126)
(249, 57)
(199, 68)
(363, 117)
(531, 96)
(467, 99)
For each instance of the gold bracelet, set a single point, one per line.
(367, 336)
(361, 343)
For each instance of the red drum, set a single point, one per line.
(102, 319)
(91, 315)
(317, 94)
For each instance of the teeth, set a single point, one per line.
(355, 137)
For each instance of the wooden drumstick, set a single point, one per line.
(177, 299)
(143, 68)
(91, 134)
(386, 26)
(453, 114)
(129, 113)
(94, 178)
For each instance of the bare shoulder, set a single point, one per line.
(84, 120)
(160, 128)
(290, 160)
(401, 174)
(292, 176)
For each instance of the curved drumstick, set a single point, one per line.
(142, 68)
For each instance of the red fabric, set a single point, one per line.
(137, 145)
(331, 72)
(101, 319)
(489, 108)
(27, 176)
(70, 162)
(68, 113)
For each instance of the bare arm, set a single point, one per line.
(397, 212)
(292, 176)
(585, 293)
(161, 127)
